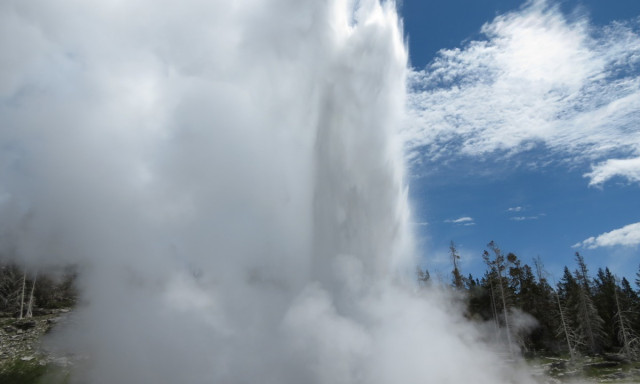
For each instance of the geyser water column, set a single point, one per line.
(360, 211)
(228, 177)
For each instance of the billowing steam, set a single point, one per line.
(228, 178)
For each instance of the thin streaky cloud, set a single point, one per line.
(538, 79)
(628, 235)
(515, 209)
(523, 218)
(462, 220)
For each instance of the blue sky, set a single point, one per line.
(524, 128)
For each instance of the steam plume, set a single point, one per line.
(228, 177)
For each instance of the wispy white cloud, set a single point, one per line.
(523, 218)
(629, 168)
(466, 221)
(537, 79)
(628, 235)
(515, 209)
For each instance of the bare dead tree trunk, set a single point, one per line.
(498, 265)
(504, 311)
(24, 285)
(494, 309)
(458, 282)
(590, 323)
(565, 328)
(625, 334)
(30, 305)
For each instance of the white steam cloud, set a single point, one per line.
(229, 178)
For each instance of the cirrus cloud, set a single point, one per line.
(466, 221)
(536, 79)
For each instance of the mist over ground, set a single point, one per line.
(229, 178)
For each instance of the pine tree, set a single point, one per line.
(626, 316)
(604, 300)
(628, 292)
(489, 283)
(631, 300)
(10, 287)
(498, 266)
(589, 323)
(537, 299)
(515, 273)
(566, 296)
(545, 306)
(31, 297)
(423, 276)
(479, 304)
(470, 282)
(24, 286)
(458, 279)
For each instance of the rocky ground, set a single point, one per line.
(603, 369)
(21, 352)
(23, 358)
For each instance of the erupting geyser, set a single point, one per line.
(229, 178)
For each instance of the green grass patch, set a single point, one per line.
(32, 372)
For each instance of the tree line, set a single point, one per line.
(581, 315)
(25, 293)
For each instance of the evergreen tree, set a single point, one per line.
(604, 300)
(631, 300)
(515, 274)
(629, 342)
(470, 282)
(458, 279)
(499, 286)
(628, 292)
(566, 298)
(479, 303)
(423, 276)
(588, 322)
(579, 314)
(22, 295)
(11, 280)
(527, 298)
(490, 298)
(537, 298)
(627, 318)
